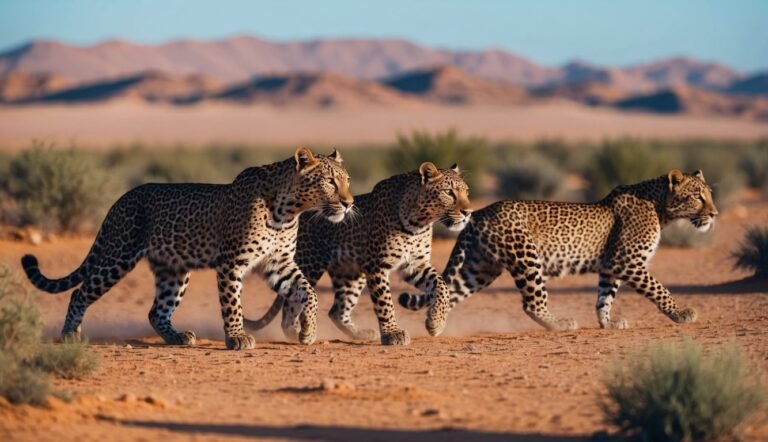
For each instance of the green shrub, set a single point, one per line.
(530, 177)
(25, 361)
(57, 189)
(627, 161)
(70, 360)
(754, 163)
(443, 149)
(721, 165)
(673, 392)
(682, 234)
(753, 252)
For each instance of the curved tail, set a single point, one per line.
(268, 317)
(36, 277)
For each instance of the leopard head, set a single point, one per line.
(690, 197)
(441, 195)
(320, 183)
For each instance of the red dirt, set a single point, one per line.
(494, 375)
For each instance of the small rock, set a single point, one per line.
(316, 351)
(544, 365)
(430, 412)
(153, 400)
(128, 346)
(127, 397)
(429, 373)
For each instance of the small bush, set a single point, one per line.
(682, 234)
(754, 162)
(70, 360)
(57, 189)
(673, 392)
(25, 361)
(720, 165)
(753, 253)
(530, 177)
(442, 149)
(627, 161)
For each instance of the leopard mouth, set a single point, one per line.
(703, 223)
(335, 214)
(455, 223)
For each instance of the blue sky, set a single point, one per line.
(618, 32)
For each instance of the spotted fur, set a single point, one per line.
(393, 231)
(615, 237)
(250, 223)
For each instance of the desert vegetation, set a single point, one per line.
(752, 254)
(62, 190)
(26, 362)
(679, 392)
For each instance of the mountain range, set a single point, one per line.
(383, 72)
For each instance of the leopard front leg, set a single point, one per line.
(425, 278)
(346, 290)
(607, 287)
(230, 281)
(379, 288)
(300, 310)
(648, 286)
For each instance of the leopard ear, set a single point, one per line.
(305, 161)
(455, 168)
(428, 172)
(700, 175)
(336, 156)
(675, 177)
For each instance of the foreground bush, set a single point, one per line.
(753, 253)
(57, 189)
(25, 361)
(673, 392)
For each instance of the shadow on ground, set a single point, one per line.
(350, 434)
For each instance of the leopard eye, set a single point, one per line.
(448, 192)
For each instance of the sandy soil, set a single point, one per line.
(494, 375)
(100, 126)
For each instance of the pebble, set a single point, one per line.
(128, 346)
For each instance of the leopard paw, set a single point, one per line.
(186, 338)
(397, 337)
(618, 324)
(241, 342)
(72, 336)
(685, 316)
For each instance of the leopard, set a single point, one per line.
(390, 230)
(615, 237)
(248, 224)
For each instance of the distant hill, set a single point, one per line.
(683, 99)
(446, 84)
(312, 90)
(755, 85)
(16, 86)
(242, 58)
(589, 92)
(147, 86)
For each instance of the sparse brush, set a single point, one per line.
(68, 360)
(674, 392)
(682, 234)
(25, 361)
(627, 161)
(753, 252)
(57, 189)
(20, 383)
(530, 177)
(755, 165)
(442, 149)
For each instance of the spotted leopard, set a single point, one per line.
(615, 237)
(250, 223)
(391, 231)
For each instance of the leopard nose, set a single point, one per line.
(347, 203)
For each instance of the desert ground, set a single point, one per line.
(124, 122)
(493, 375)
